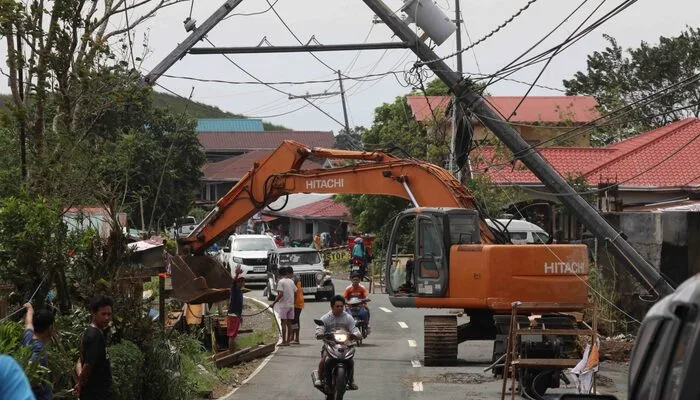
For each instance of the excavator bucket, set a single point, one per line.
(199, 279)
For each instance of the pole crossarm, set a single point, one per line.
(313, 48)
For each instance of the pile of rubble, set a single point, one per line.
(616, 348)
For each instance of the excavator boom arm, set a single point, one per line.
(280, 174)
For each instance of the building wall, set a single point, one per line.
(668, 240)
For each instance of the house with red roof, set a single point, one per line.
(647, 172)
(230, 156)
(305, 221)
(538, 118)
(219, 177)
(222, 145)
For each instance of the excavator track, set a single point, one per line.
(440, 340)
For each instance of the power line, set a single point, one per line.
(272, 7)
(253, 13)
(564, 45)
(537, 78)
(272, 87)
(551, 32)
(483, 39)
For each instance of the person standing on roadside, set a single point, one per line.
(298, 306)
(37, 332)
(285, 298)
(94, 370)
(235, 310)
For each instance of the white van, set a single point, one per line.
(520, 231)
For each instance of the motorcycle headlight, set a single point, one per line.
(340, 337)
(319, 277)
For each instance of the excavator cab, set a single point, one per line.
(418, 263)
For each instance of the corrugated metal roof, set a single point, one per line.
(666, 157)
(234, 168)
(229, 125)
(269, 140)
(326, 208)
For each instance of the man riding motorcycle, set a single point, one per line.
(336, 318)
(356, 290)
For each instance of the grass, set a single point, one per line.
(261, 334)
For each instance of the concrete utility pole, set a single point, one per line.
(345, 108)
(196, 35)
(637, 265)
(453, 140)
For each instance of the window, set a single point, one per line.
(540, 237)
(306, 258)
(309, 228)
(253, 244)
(517, 235)
(429, 249)
(463, 229)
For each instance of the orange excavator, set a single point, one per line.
(459, 261)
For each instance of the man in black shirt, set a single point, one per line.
(95, 374)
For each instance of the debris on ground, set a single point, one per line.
(461, 378)
(616, 348)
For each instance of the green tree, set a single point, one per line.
(616, 78)
(350, 140)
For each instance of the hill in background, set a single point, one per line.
(182, 105)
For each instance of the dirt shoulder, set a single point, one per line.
(265, 331)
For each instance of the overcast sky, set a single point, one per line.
(349, 21)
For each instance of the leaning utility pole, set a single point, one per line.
(196, 35)
(345, 108)
(453, 140)
(638, 266)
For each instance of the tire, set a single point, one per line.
(341, 383)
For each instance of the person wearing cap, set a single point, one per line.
(235, 309)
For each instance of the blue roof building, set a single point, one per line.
(229, 125)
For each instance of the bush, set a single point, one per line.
(162, 378)
(127, 370)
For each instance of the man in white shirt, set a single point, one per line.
(285, 300)
(337, 318)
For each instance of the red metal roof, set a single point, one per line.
(664, 157)
(270, 140)
(563, 159)
(577, 109)
(326, 208)
(234, 168)
(669, 158)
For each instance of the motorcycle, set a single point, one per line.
(338, 365)
(354, 305)
(358, 267)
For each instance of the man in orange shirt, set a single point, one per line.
(356, 290)
(298, 306)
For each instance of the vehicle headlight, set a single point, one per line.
(237, 260)
(319, 277)
(340, 337)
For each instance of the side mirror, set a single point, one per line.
(326, 263)
(227, 249)
(318, 322)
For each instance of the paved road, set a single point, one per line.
(389, 363)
